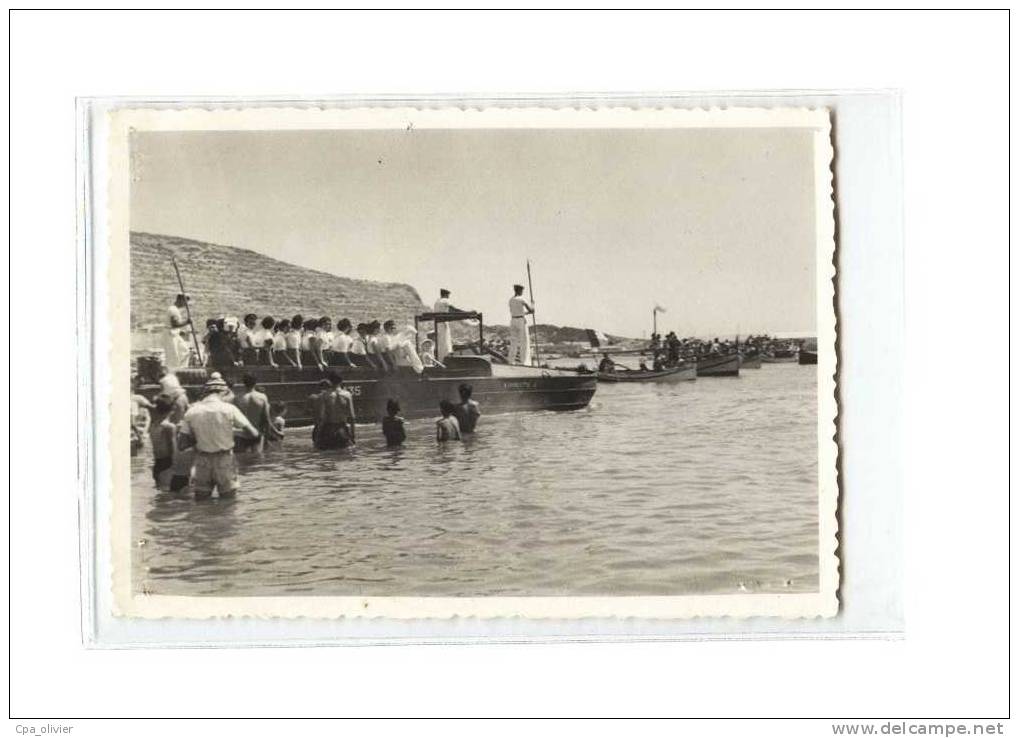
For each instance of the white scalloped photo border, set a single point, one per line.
(116, 289)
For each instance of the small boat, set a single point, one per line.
(751, 361)
(779, 356)
(718, 365)
(672, 374)
(808, 357)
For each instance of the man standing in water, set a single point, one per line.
(209, 425)
(520, 342)
(175, 348)
(334, 425)
(255, 406)
(468, 411)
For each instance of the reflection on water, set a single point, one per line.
(697, 487)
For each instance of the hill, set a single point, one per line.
(224, 280)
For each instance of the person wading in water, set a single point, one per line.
(209, 425)
(255, 406)
(334, 424)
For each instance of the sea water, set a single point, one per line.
(706, 486)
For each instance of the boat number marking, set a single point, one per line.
(519, 385)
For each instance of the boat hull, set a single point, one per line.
(791, 359)
(808, 357)
(752, 361)
(519, 389)
(723, 365)
(675, 374)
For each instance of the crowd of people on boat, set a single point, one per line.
(300, 341)
(193, 445)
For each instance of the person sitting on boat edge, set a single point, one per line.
(643, 365)
(342, 343)
(264, 340)
(468, 411)
(245, 339)
(335, 424)
(387, 343)
(210, 426)
(447, 428)
(403, 351)
(374, 348)
(324, 334)
(392, 424)
(359, 347)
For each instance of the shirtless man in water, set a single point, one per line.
(255, 406)
(334, 424)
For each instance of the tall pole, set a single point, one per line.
(187, 309)
(654, 323)
(534, 318)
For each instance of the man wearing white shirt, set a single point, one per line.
(520, 343)
(211, 426)
(175, 348)
(443, 334)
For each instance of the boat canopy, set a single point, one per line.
(448, 317)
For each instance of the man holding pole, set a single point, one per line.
(174, 346)
(520, 343)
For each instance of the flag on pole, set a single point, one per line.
(659, 308)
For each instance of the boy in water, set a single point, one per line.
(163, 435)
(447, 428)
(278, 410)
(392, 424)
(468, 411)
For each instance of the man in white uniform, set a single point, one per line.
(175, 348)
(520, 343)
(443, 334)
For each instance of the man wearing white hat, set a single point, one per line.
(520, 341)
(210, 425)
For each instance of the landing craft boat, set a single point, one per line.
(672, 374)
(499, 388)
(718, 365)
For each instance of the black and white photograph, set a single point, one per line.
(545, 356)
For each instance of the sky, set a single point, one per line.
(714, 225)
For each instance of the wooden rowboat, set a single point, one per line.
(673, 374)
(718, 365)
(751, 361)
(783, 356)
